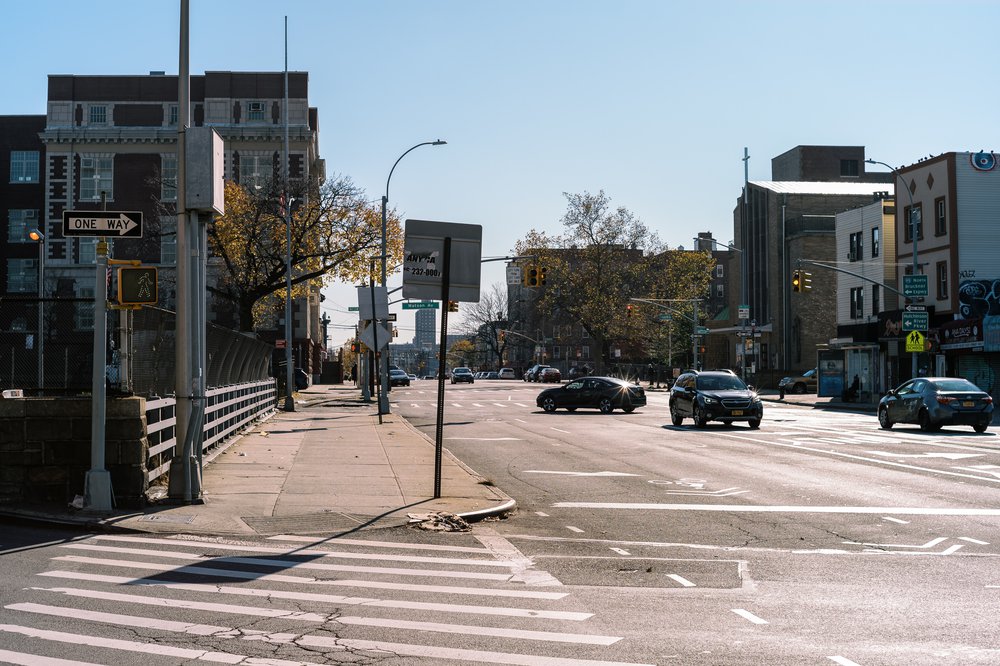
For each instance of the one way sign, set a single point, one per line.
(117, 224)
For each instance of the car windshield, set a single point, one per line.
(462, 371)
(720, 383)
(956, 385)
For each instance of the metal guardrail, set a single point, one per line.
(229, 409)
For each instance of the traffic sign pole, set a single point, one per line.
(97, 481)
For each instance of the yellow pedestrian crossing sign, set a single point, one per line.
(914, 341)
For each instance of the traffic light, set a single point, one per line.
(541, 276)
(354, 347)
(628, 310)
(531, 276)
(796, 281)
(452, 306)
(137, 285)
(501, 336)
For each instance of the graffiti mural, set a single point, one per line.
(979, 298)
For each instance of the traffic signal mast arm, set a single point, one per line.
(862, 277)
(526, 337)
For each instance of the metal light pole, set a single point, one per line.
(39, 238)
(913, 236)
(383, 368)
(289, 374)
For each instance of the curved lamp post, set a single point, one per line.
(383, 402)
(912, 222)
(39, 238)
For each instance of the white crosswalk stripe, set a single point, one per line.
(155, 589)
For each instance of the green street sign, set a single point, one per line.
(915, 321)
(353, 308)
(914, 285)
(665, 316)
(701, 330)
(421, 305)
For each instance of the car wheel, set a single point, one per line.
(981, 427)
(924, 419)
(799, 388)
(700, 420)
(628, 409)
(675, 418)
(754, 423)
(606, 406)
(883, 419)
(549, 404)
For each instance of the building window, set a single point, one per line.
(876, 300)
(96, 176)
(172, 114)
(84, 314)
(556, 351)
(19, 223)
(849, 169)
(255, 170)
(940, 226)
(98, 115)
(255, 110)
(168, 177)
(718, 271)
(909, 223)
(857, 302)
(876, 241)
(24, 166)
(585, 351)
(720, 291)
(855, 248)
(22, 276)
(583, 332)
(942, 280)
(88, 250)
(168, 241)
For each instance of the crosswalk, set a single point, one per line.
(292, 600)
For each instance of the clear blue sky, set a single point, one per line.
(651, 101)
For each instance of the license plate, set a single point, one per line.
(968, 403)
(737, 412)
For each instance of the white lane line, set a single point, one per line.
(250, 634)
(477, 404)
(542, 514)
(373, 544)
(501, 404)
(144, 648)
(460, 654)
(413, 404)
(323, 598)
(520, 420)
(621, 551)
(929, 544)
(10, 551)
(256, 549)
(249, 575)
(520, 404)
(896, 520)
(558, 430)
(740, 508)
(574, 529)
(680, 579)
(976, 541)
(843, 661)
(22, 659)
(455, 404)
(747, 615)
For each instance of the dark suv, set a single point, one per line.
(534, 373)
(716, 395)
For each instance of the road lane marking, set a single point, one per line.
(896, 520)
(748, 508)
(622, 551)
(542, 514)
(843, 661)
(488, 439)
(558, 430)
(216, 589)
(24, 659)
(574, 529)
(520, 404)
(927, 454)
(477, 404)
(975, 541)
(929, 544)
(605, 473)
(747, 615)
(680, 579)
(349, 542)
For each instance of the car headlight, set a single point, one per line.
(709, 400)
(755, 399)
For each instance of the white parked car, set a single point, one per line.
(506, 373)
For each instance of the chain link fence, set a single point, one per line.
(140, 349)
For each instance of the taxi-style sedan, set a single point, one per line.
(603, 393)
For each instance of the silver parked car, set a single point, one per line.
(933, 402)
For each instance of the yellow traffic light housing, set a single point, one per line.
(531, 275)
(796, 281)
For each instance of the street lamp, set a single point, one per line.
(39, 238)
(383, 403)
(912, 222)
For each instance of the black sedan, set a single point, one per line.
(398, 378)
(933, 402)
(604, 393)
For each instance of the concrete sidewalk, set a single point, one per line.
(326, 468)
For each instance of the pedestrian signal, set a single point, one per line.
(452, 306)
(137, 285)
